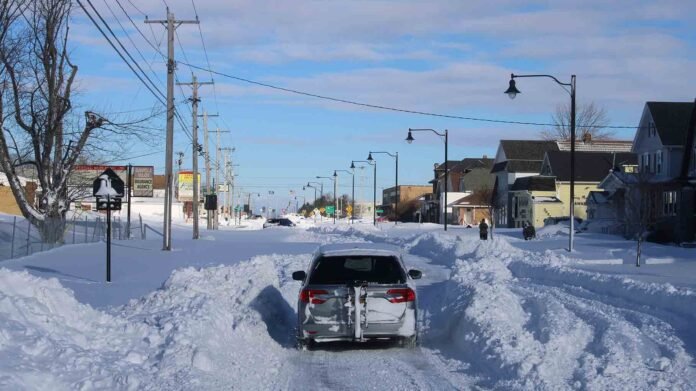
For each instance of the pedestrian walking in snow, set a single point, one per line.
(483, 229)
(528, 231)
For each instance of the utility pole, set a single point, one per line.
(228, 169)
(170, 24)
(217, 168)
(206, 153)
(196, 148)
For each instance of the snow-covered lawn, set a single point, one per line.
(219, 313)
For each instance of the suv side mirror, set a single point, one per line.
(300, 275)
(415, 274)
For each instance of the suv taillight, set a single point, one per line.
(309, 296)
(401, 295)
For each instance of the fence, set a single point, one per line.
(19, 238)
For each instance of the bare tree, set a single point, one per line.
(639, 208)
(489, 197)
(40, 126)
(589, 119)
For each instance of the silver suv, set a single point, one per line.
(357, 292)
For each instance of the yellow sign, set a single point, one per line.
(349, 209)
(322, 210)
(185, 186)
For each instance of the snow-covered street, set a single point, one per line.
(219, 313)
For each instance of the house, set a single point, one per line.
(407, 195)
(8, 203)
(466, 177)
(517, 159)
(533, 199)
(666, 178)
(590, 169)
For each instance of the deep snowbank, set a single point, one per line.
(209, 328)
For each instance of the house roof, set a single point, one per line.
(472, 163)
(524, 166)
(527, 149)
(598, 145)
(589, 166)
(671, 120)
(475, 199)
(450, 164)
(535, 183)
(531, 166)
(598, 197)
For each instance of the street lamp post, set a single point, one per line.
(512, 91)
(396, 186)
(373, 163)
(444, 135)
(321, 189)
(331, 178)
(353, 174)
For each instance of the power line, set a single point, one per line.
(156, 48)
(119, 54)
(388, 108)
(124, 48)
(205, 51)
(131, 40)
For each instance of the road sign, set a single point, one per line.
(223, 188)
(108, 183)
(143, 178)
(330, 209)
(349, 209)
(380, 211)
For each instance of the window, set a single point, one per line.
(345, 269)
(652, 131)
(645, 164)
(658, 162)
(669, 203)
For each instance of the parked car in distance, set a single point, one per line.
(357, 292)
(278, 223)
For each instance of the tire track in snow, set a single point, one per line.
(628, 346)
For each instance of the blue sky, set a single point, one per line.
(449, 57)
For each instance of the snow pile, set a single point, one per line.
(221, 325)
(49, 340)
(204, 329)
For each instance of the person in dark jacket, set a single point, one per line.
(483, 229)
(528, 231)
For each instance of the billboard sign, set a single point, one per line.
(223, 188)
(143, 177)
(185, 186)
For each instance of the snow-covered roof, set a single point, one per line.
(5, 182)
(336, 249)
(539, 199)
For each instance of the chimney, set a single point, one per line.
(586, 138)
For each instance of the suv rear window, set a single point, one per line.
(346, 269)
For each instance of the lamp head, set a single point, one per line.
(335, 174)
(410, 138)
(352, 165)
(318, 177)
(512, 90)
(369, 157)
(303, 188)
